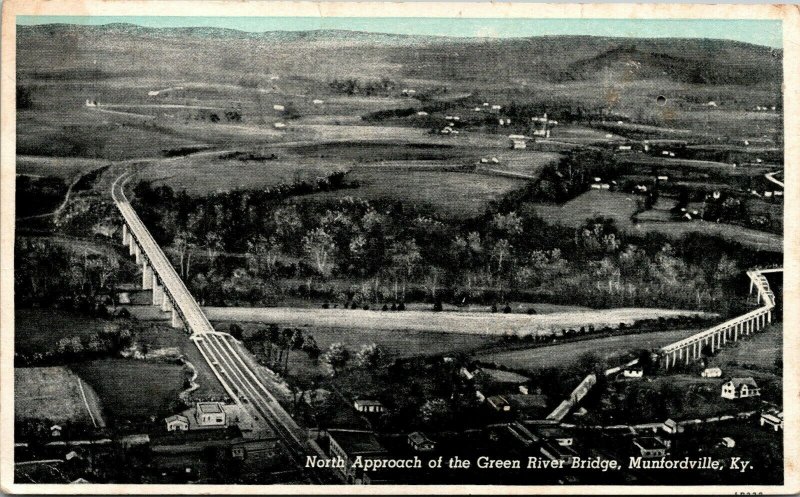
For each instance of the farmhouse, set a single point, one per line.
(420, 442)
(177, 422)
(279, 125)
(727, 442)
(210, 414)
(518, 141)
(279, 108)
(651, 447)
(740, 388)
(55, 430)
(368, 405)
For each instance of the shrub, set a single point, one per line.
(401, 306)
(437, 307)
(507, 309)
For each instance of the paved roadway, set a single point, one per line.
(220, 350)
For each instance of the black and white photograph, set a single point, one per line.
(396, 250)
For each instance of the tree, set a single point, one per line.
(319, 247)
(435, 412)
(369, 356)
(336, 358)
(236, 331)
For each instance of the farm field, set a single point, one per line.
(443, 322)
(132, 389)
(594, 203)
(38, 330)
(62, 167)
(55, 394)
(561, 355)
(762, 350)
(454, 194)
(527, 162)
(622, 206)
(210, 174)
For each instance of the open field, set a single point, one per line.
(761, 350)
(622, 206)
(442, 322)
(208, 174)
(594, 203)
(133, 389)
(62, 167)
(454, 194)
(55, 394)
(38, 330)
(561, 355)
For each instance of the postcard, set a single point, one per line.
(391, 248)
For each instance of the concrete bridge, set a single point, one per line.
(691, 349)
(235, 369)
(158, 275)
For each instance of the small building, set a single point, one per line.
(279, 125)
(662, 178)
(499, 403)
(711, 373)
(624, 147)
(496, 108)
(555, 434)
(556, 452)
(740, 388)
(210, 414)
(153, 93)
(279, 108)
(317, 101)
(671, 426)
(651, 447)
(55, 431)
(177, 422)
(773, 420)
(422, 113)
(727, 442)
(518, 144)
(420, 442)
(368, 405)
(349, 444)
(633, 372)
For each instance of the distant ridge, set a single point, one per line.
(340, 35)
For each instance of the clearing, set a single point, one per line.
(133, 389)
(560, 355)
(444, 322)
(55, 394)
(453, 194)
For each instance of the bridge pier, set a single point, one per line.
(158, 291)
(138, 253)
(176, 322)
(125, 234)
(147, 276)
(166, 305)
(131, 245)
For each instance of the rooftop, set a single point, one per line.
(209, 407)
(650, 443)
(355, 442)
(749, 381)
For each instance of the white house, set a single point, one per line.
(279, 125)
(422, 113)
(633, 372)
(368, 405)
(740, 388)
(317, 101)
(728, 442)
(711, 373)
(278, 107)
(177, 422)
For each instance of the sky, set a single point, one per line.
(759, 32)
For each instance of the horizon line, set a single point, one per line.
(765, 33)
